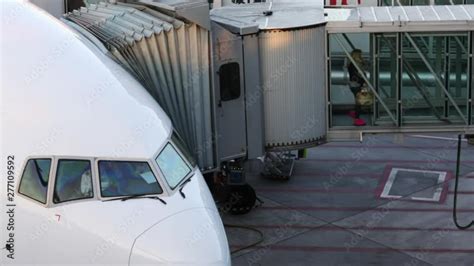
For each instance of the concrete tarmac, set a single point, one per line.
(386, 201)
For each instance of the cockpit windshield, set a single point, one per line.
(172, 165)
(122, 178)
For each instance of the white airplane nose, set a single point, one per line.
(191, 237)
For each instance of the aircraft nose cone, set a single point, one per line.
(193, 236)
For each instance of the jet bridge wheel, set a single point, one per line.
(239, 199)
(245, 199)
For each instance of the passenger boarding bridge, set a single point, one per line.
(273, 77)
(418, 64)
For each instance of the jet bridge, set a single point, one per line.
(418, 64)
(266, 82)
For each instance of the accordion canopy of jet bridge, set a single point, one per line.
(169, 56)
(401, 19)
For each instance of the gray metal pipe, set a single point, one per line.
(341, 77)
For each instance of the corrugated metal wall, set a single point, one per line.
(168, 56)
(293, 77)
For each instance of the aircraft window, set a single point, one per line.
(121, 178)
(229, 81)
(172, 165)
(73, 181)
(34, 181)
(181, 145)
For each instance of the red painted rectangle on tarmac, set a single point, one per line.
(440, 197)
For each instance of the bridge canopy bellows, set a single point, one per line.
(167, 54)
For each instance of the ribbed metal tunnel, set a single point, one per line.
(168, 56)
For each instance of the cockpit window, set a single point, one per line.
(73, 181)
(34, 181)
(121, 178)
(172, 165)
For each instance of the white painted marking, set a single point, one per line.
(388, 185)
(420, 171)
(393, 175)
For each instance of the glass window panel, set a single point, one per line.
(425, 2)
(385, 76)
(229, 81)
(173, 167)
(458, 75)
(418, 2)
(121, 178)
(345, 80)
(34, 181)
(423, 97)
(448, 2)
(73, 181)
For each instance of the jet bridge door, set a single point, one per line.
(229, 94)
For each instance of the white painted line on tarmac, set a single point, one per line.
(388, 186)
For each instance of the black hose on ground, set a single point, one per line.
(260, 233)
(458, 163)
